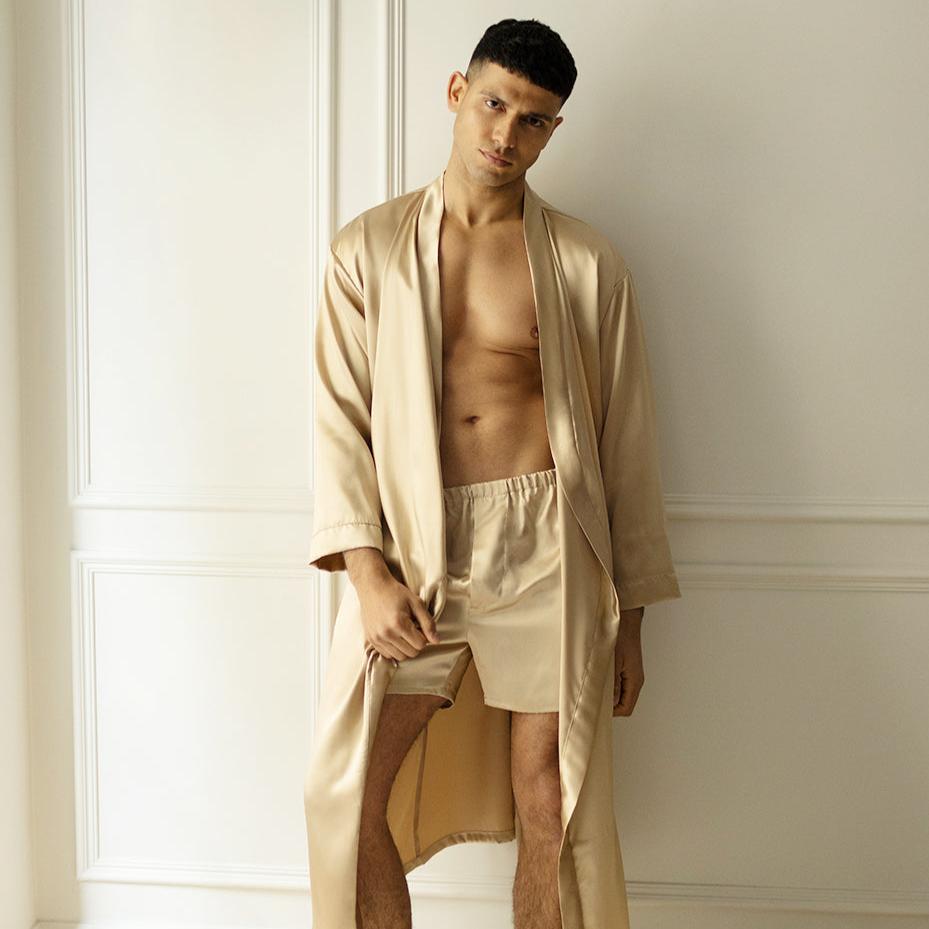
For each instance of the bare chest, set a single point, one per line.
(487, 296)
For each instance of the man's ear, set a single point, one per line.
(457, 87)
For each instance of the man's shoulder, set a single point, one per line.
(372, 224)
(586, 240)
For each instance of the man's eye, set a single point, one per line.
(491, 101)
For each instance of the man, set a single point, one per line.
(487, 473)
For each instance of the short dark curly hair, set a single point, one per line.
(528, 48)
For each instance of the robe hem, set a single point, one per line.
(456, 838)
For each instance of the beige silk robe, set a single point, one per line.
(379, 483)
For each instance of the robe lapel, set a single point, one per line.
(406, 398)
(568, 414)
(586, 648)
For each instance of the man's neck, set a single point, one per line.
(471, 204)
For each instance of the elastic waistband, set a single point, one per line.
(502, 485)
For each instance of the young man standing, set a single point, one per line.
(487, 473)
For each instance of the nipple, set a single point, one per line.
(534, 332)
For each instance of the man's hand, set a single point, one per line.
(630, 670)
(396, 622)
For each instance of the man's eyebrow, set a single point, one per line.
(496, 96)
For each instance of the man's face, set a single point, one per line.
(502, 114)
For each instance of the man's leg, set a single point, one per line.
(383, 897)
(537, 790)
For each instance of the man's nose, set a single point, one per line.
(505, 134)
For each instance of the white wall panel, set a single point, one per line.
(197, 258)
(770, 746)
(198, 717)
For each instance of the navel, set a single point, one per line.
(472, 419)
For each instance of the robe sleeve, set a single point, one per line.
(628, 448)
(346, 502)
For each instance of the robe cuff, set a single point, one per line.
(645, 590)
(328, 543)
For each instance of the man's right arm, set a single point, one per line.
(365, 566)
(346, 504)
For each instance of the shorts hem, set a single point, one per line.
(423, 692)
(517, 709)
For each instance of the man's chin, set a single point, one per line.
(493, 176)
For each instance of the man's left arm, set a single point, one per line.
(628, 448)
(643, 569)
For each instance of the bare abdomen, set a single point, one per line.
(493, 417)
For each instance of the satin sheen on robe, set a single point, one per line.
(378, 482)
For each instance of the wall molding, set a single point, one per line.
(739, 896)
(809, 900)
(745, 508)
(766, 508)
(796, 577)
(86, 567)
(770, 899)
(185, 499)
(393, 100)
(83, 491)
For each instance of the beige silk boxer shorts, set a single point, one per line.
(503, 603)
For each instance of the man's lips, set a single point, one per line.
(493, 160)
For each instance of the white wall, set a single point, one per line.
(762, 168)
(16, 903)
